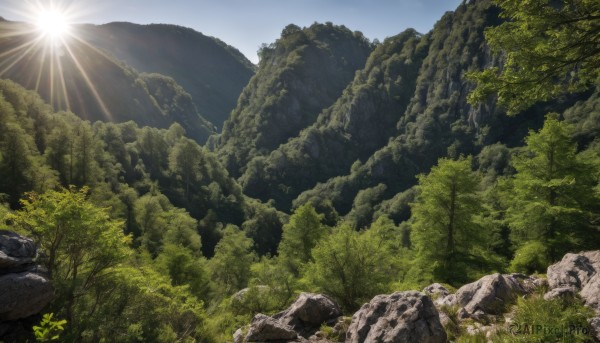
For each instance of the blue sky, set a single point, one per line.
(246, 24)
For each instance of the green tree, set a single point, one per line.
(300, 235)
(230, 266)
(550, 47)
(184, 268)
(351, 266)
(444, 232)
(184, 161)
(80, 241)
(551, 197)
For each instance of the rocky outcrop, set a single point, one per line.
(560, 293)
(301, 320)
(309, 312)
(595, 327)
(580, 272)
(25, 290)
(16, 252)
(264, 329)
(399, 317)
(488, 295)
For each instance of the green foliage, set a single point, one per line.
(352, 267)
(550, 49)
(550, 199)
(80, 240)
(445, 235)
(557, 320)
(49, 329)
(530, 257)
(230, 266)
(300, 235)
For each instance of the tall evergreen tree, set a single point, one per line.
(445, 233)
(552, 192)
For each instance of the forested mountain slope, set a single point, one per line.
(359, 123)
(73, 75)
(438, 121)
(213, 72)
(299, 75)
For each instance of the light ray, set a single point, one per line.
(89, 83)
(48, 54)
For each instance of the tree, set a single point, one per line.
(80, 241)
(444, 232)
(231, 263)
(551, 197)
(550, 48)
(299, 237)
(351, 266)
(184, 161)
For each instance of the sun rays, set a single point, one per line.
(47, 50)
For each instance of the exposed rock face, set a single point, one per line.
(561, 292)
(16, 251)
(24, 290)
(579, 272)
(488, 295)
(441, 295)
(308, 312)
(301, 320)
(595, 326)
(23, 294)
(264, 329)
(397, 318)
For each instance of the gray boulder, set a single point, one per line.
(574, 270)
(266, 329)
(23, 294)
(309, 312)
(15, 251)
(560, 293)
(397, 318)
(579, 272)
(488, 295)
(591, 293)
(441, 295)
(595, 328)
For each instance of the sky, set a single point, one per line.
(246, 24)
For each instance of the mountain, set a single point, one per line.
(213, 72)
(299, 75)
(360, 122)
(73, 75)
(438, 121)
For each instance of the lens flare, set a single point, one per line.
(53, 24)
(50, 54)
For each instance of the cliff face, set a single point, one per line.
(299, 75)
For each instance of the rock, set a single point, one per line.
(595, 327)
(264, 329)
(561, 292)
(15, 251)
(574, 270)
(398, 318)
(238, 336)
(23, 294)
(309, 312)
(436, 290)
(490, 295)
(591, 293)
(530, 283)
(581, 272)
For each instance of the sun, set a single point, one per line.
(53, 24)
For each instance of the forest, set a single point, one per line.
(348, 167)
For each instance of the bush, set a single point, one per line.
(530, 258)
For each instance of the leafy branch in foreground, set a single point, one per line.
(550, 48)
